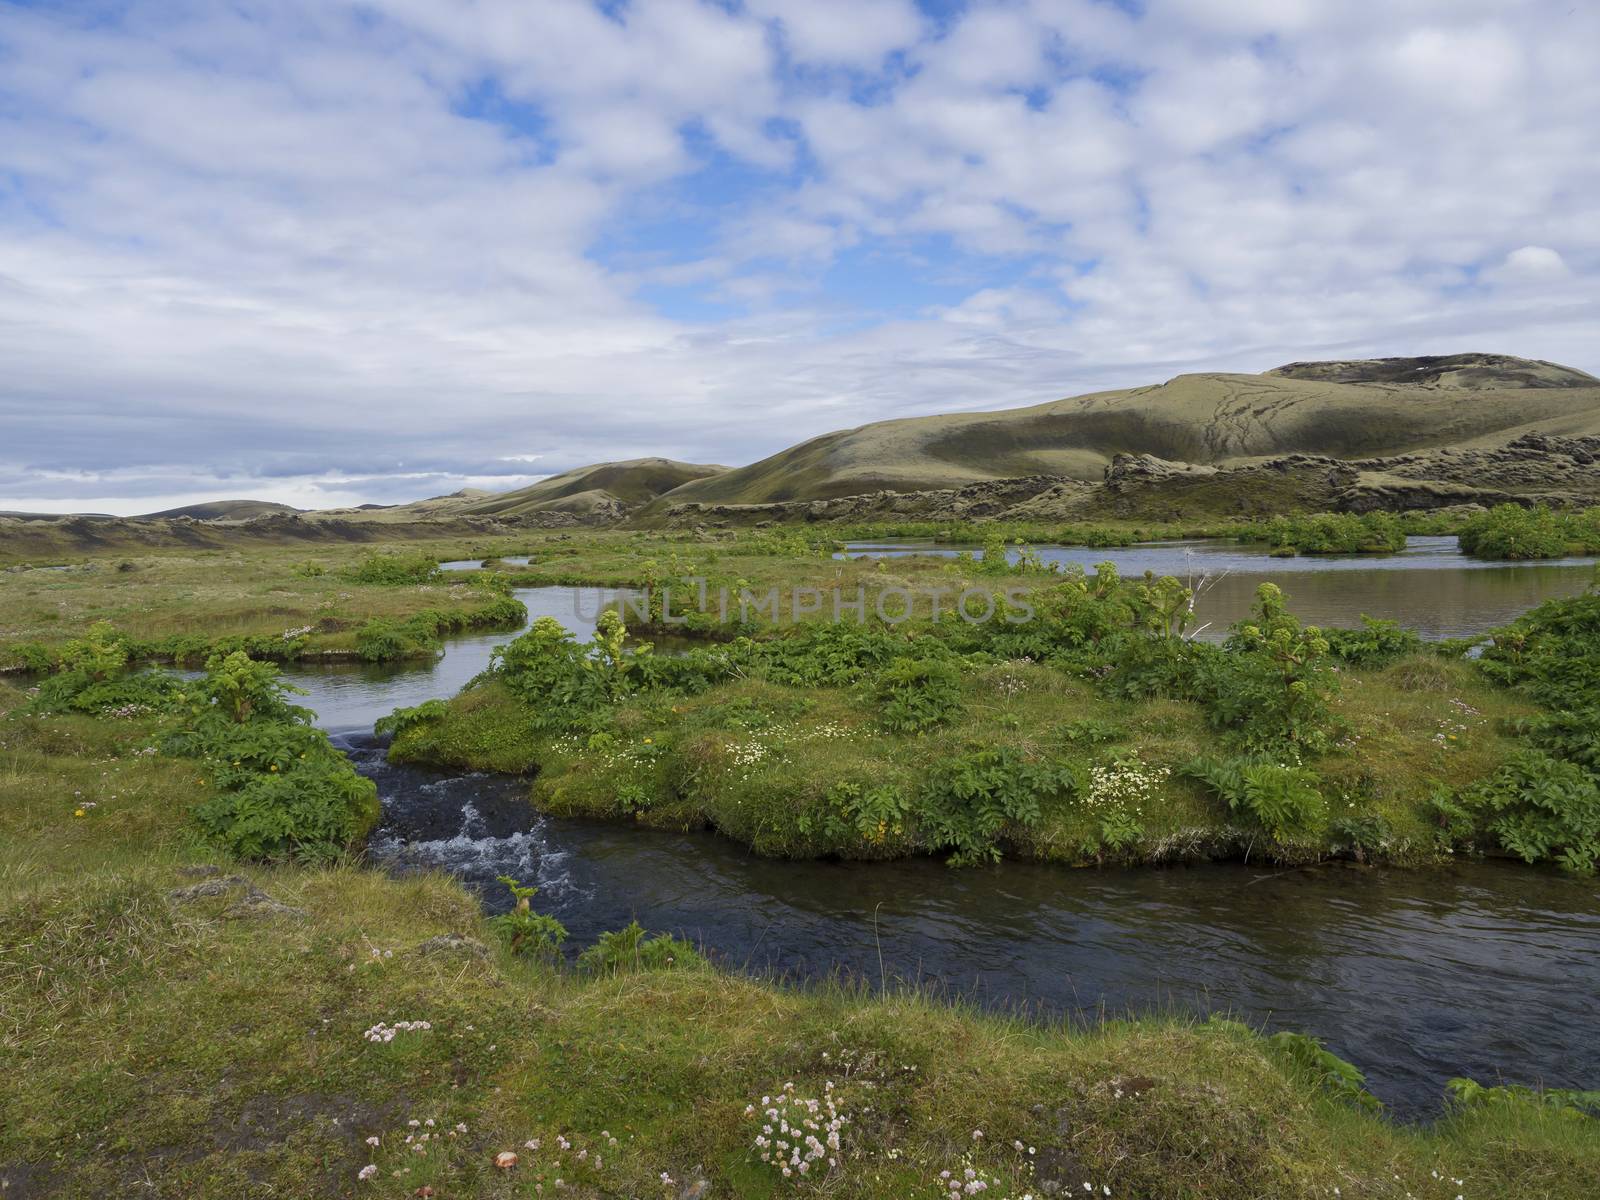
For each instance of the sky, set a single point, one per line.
(330, 253)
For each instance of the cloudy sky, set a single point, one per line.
(329, 252)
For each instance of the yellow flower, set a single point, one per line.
(273, 767)
(78, 812)
(647, 741)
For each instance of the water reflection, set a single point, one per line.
(1429, 587)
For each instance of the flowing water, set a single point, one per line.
(1485, 970)
(1429, 586)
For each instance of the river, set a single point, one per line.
(1485, 970)
(1429, 586)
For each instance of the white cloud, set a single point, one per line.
(850, 33)
(290, 245)
(1531, 264)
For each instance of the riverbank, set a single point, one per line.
(1090, 732)
(217, 1045)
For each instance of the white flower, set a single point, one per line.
(367, 1172)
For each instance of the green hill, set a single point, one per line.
(586, 489)
(223, 510)
(1352, 410)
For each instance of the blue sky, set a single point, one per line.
(332, 252)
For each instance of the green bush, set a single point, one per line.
(1270, 689)
(1512, 532)
(1307, 1057)
(93, 676)
(1336, 533)
(381, 640)
(914, 695)
(1541, 808)
(402, 719)
(860, 812)
(630, 949)
(281, 788)
(1375, 644)
(1570, 1104)
(1283, 802)
(549, 671)
(394, 569)
(525, 932)
(969, 800)
(1552, 652)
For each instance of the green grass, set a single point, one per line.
(211, 596)
(760, 762)
(168, 1047)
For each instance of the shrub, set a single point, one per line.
(525, 932)
(1308, 1058)
(1281, 801)
(630, 949)
(548, 670)
(871, 814)
(825, 654)
(394, 569)
(914, 695)
(93, 677)
(1509, 531)
(968, 800)
(1567, 1103)
(1375, 644)
(381, 640)
(1551, 652)
(282, 789)
(1541, 808)
(1337, 533)
(402, 719)
(1271, 688)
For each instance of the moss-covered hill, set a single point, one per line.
(1340, 410)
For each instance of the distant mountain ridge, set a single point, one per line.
(223, 510)
(1345, 410)
(624, 484)
(1425, 431)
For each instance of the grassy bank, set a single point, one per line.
(279, 605)
(814, 773)
(1091, 732)
(160, 1039)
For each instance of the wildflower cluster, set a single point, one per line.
(826, 731)
(1124, 784)
(749, 755)
(1451, 728)
(386, 1033)
(1010, 681)
(797, 1133)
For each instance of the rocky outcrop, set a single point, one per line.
(989, 499)
(1130, 471)
(1469, 372)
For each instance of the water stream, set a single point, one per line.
(1486, 970)
(1429, 586)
